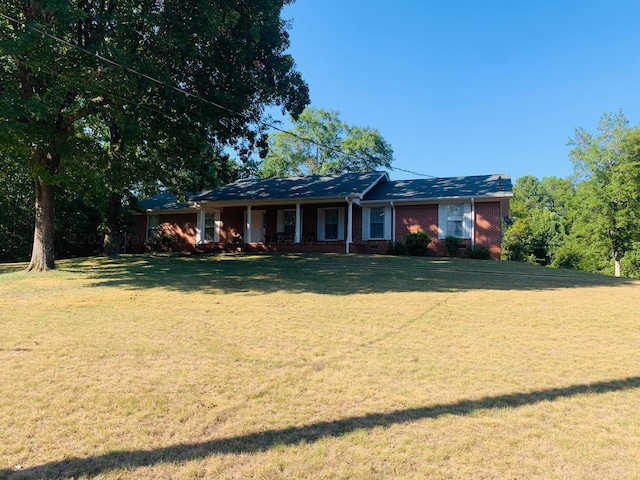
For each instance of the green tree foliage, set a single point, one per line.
(59, 103)
(608, 166)
(79, 216)
(540, 212)
(350, 149)
(16, 209)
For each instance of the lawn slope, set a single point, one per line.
(317, 366)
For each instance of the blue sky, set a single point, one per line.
(471, 87)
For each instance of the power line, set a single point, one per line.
(191, 95)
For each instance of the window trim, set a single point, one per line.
(321, 223)
(280, 221)
(366, 222)
(202, 226)
(155, 228)
(443, 219)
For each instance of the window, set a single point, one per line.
(455, 216)
(153, 222)
(289, 223)
(376, 223)
(209, 227)
(330, 223)
(455, 220)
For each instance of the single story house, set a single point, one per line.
(350, 212)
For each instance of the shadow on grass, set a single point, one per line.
(329, 274)
(263, 441)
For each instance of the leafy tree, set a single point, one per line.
(608, 165)
(16, 209)
(79, 215)
(227, 52)
(334, 147)
(540, 215)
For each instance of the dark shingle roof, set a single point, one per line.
(163, 201)
(295, 188)
(435, 188)
(340, 186)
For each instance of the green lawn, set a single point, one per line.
(317, 366)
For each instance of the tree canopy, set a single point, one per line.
(122, 91)
(592, 221)
(608, 164)
(322, 143)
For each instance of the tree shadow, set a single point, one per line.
(264, 441)
(334, 274)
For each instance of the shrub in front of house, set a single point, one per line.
(396, 248)
(161, 243)
(452, 244)
(478, 252)
(417, 243)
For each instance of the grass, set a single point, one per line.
(318, 366)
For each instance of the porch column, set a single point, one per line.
(298, 226)
(349, 224)
(248, 239)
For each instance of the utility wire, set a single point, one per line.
(196, 97)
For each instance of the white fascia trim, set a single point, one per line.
(167, 211)
(452, 199)
(284, 202)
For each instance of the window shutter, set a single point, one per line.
(280, 221)
(387, 223)
(442, 221)
(341, 223)
(466, 221)
(321, 224)
(366, 216)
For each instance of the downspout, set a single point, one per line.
(393, 223)
(473, 222)
(248, 239)
(349, 223)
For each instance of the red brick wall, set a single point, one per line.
(488, 227)
(181, 226)
(409, 219)
(135, 243)
(416, 218)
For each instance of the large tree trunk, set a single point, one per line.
(112, 231)
(42, 255)
(616, 260)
